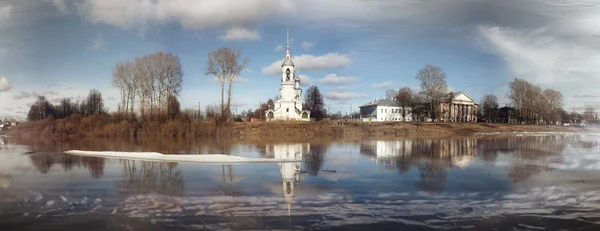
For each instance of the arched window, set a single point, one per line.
(287, 74)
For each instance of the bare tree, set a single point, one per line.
(391, 93)
(405, 98)
(534, 105)
(119, 81)
(141, 80)
(225, 64)
(131, 85)
(489, 107)
(174, 78)
(589, 114)
(313, 102)
(94, 103)
(433, 85)
(517, 95)
(554, 103)
(173, 107)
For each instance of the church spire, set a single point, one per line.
(288, 57)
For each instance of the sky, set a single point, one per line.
(352, 50)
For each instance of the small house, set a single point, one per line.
(384, 110)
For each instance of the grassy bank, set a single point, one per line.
(77, 127)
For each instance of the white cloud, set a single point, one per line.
(25, 95)
(278, 48)
(60, 5)
(307, 45)
(568, 64)
(342, 94)
(451, 89)
(4, 85)
(238, 33)
(238, 104)
(99, 43)
(384, 85)
(191, 14)
(305, 80)
(311, 63)
(335, 79)
(5, 11)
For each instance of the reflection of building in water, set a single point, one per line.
(460, 151)
(431, 157)
(386, 152)
(290, 171)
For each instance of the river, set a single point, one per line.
(499, 182)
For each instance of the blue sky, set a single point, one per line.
(353, 50)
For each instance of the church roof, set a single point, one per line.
(287, 62)
(381, 102)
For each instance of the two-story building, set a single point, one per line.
(384, 110)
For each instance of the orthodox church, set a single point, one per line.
(289, 105)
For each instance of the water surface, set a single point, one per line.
(527, 182)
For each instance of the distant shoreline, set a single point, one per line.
(267, 131)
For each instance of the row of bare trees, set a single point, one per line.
(93, 104)
(534, 105)
(152, 79)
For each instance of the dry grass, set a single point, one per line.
(112, 127)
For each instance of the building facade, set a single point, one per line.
(289, 105)
(458, 107)
(384, 110)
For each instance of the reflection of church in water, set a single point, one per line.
(290, 171)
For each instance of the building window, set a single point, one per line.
(382, 110)
(287, 110)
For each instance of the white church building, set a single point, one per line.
(289, 105)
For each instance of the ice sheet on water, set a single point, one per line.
(155, 156)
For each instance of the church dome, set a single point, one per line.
(287, 62)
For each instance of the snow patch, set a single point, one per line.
(155, 156)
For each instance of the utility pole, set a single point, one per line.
(199, 110)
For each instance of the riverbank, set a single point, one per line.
(99, 127)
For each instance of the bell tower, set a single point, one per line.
(287, 67)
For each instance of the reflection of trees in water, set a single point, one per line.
(44, 162)
(314, 158)
(433, 176)
(433, 158)
(226, 187)
(534, 148)
(4, 140)
(585, 144)
(141, 177)
(169, 146)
